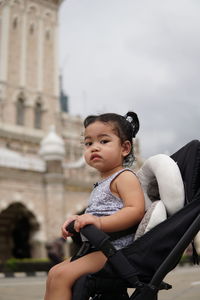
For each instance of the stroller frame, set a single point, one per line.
(150, 290)
(145, 288)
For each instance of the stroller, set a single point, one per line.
(160, 245)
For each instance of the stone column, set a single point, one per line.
(53, 151)
(56, 75)
(40, 51)
(4, 42)
(23, 51)
(54, 186)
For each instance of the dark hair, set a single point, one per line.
(126, 128)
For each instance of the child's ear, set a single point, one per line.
(126, 148)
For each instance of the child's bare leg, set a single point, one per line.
(62, 277)
(51, 276)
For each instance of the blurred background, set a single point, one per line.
(121, 55)
(59, 62)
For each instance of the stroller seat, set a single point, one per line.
(169, 225)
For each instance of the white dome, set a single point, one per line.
(52, 146)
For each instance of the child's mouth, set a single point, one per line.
(95, 157)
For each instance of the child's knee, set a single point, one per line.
(55, 269)
(60, 275)
(52, 271)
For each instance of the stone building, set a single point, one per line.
(43, 177)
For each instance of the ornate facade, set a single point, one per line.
(39, 182)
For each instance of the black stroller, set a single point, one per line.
(145, 263)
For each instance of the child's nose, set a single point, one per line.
(95, 147)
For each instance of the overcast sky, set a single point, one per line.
(141, 55)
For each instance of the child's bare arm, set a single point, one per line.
(127, 187)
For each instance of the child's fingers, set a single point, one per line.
(64, 231)
(80, 222)
(84, 220)
(77, 225)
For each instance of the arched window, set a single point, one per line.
(15, 23)
(20, 112)
(38, 116)
(47, 35)
(31, 29)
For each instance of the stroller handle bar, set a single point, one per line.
(100, 240)
(92, 233)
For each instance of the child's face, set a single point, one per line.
(103, 148)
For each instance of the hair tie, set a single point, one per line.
(129, 119)
(132, 119)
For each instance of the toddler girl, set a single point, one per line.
(116, 203)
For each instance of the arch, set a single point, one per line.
(33, 9)
(18, 225)
(17, 2)
(18, 93)
(20, 110)
(18, 5)
(48, 15)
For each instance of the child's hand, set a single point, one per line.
(85, 219)
(65, 233)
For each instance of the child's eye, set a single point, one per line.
(87, 144)
(104, 141)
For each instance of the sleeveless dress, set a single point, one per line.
(103, 203)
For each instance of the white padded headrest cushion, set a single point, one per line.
(171, 188)
(155, 214)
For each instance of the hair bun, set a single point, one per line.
(132, 118)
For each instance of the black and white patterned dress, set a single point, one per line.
(103, 203)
